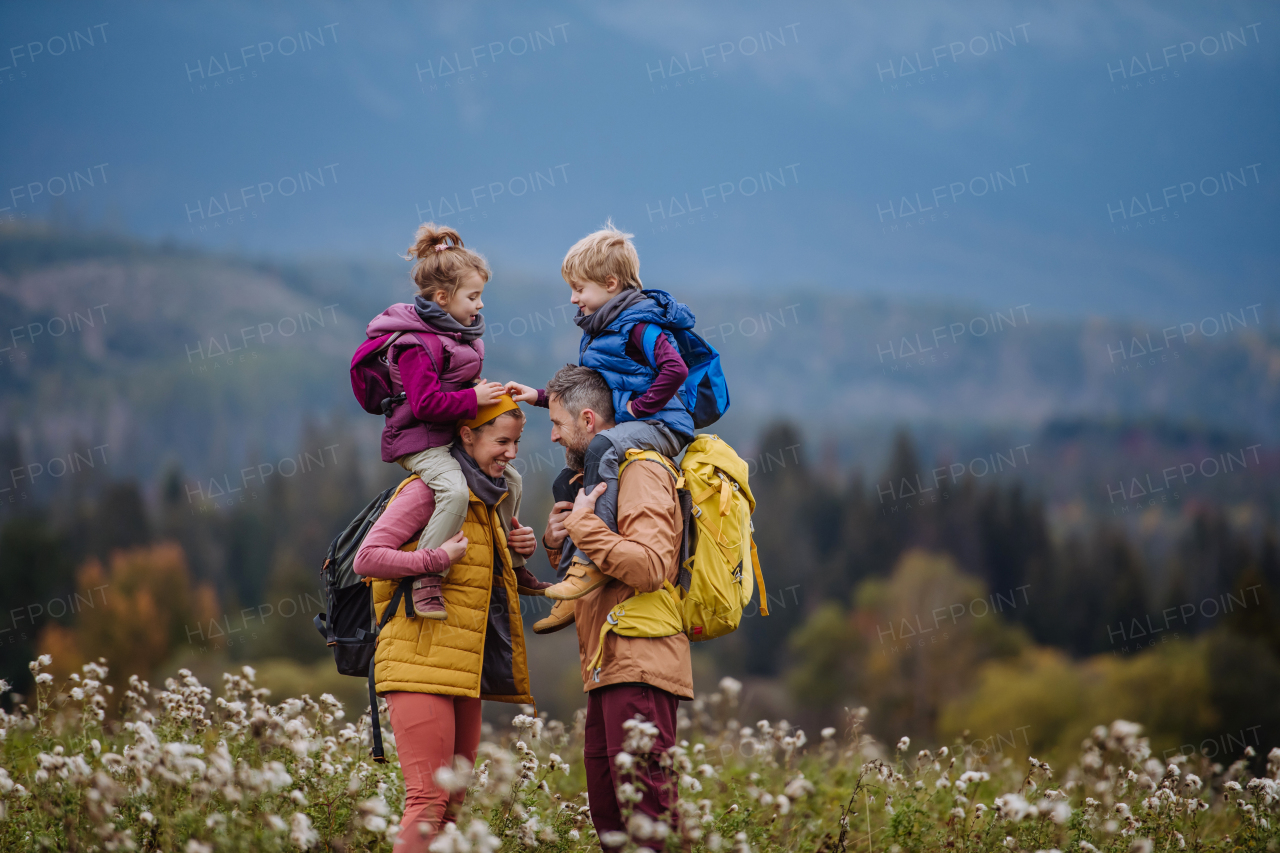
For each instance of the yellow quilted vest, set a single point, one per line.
(444, 657)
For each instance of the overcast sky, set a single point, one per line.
(972, 152)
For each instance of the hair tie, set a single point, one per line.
(440, 247)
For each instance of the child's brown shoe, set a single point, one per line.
(527, 584)
(561, 616)
(579, 579)
(428, 598)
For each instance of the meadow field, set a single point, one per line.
(181, 769)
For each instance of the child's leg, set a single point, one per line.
(440, 471)
(601, 466)
(565, 488)
(604, 457)
(510, 506)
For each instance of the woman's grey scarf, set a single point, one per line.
(442, 321)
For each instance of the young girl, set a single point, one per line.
(435, 357)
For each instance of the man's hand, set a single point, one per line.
(587, 502)
(554, 538)
(629, 412)
(521, 393)
(521, 539)
(454, 548)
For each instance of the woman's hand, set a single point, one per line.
(554, 538)
(488, 392)
(454, 548)
(521, 393)
(587, 502)
(521, 539)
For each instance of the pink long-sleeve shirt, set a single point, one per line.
(426, 398)
(403, 519)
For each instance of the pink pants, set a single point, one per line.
(430, 730)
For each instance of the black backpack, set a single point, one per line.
(348, 624)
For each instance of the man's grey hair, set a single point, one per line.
(577, 388)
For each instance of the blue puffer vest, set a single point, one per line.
(628, 378)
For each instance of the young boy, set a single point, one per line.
(626, 337)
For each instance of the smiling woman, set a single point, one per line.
(435, 671)
(494, 444)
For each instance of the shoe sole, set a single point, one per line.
(575, 596)
(435, 617)
(524, 590)
(551, 629)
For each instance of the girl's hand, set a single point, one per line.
(521, 393)
(488, 392)
(455, 548)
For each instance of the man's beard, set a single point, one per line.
(575, 452)
(575, 459)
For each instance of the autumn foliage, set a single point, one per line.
(139, 605)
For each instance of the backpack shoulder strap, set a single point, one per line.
(436, 351)
(653, 456)
(685, 503)
(755, 566)
(402, 592)
(649, 342)
(434, 345)
(379, 757)
(400, 488)
(391, 339)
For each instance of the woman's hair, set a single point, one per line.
(441, 261)
(604, 253)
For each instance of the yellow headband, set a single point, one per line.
(491, 411)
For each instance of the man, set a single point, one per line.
(639, 675)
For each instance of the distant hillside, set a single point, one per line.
(169, 356)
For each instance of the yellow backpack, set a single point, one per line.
(715, 581)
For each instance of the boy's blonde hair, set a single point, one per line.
(606, 252)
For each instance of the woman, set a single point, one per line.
(434, 673)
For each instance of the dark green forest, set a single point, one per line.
(934, 547)
(1090, 590)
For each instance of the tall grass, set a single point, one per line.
(176, 769)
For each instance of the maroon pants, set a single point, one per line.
(608, 708)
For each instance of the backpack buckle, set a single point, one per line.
(388, 403)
